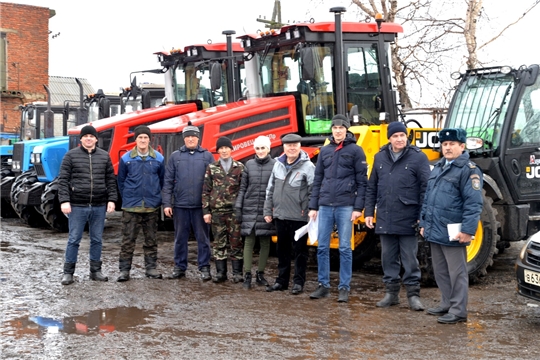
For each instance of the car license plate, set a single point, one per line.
(532, 277)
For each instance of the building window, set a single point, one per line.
(3, 61)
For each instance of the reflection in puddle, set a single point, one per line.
(122, 319)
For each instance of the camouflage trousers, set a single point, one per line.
(226, 231)
(132, 223)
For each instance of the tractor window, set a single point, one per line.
(480, 106)
(363, 82)
(526, 130)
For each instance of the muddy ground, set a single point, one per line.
(189, 319)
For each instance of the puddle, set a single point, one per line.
(122, 319)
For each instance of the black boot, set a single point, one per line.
(124, 265)
(259, 278)
(177, 273)
(237, 266)
(151, 271)
(247, 281)
(95, 271)
(69, 270)
(413, 294)
(221, 271)
(391, 297)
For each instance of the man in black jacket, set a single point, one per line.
(396, 187)
(86, 191)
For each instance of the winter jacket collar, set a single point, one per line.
(263, 160)
(198, 149)
(134, 153)
(86, 151)
(349, 138)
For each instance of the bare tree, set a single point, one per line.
(434, 33)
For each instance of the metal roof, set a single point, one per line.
(66, 88)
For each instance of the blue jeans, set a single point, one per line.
(184, 221)
(95, 216)
(341, 216)
(398, 251)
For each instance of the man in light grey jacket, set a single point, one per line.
(291, 179)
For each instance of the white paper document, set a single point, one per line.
(453, 230)
(311, 228)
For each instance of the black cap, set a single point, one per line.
(223, 141)
(143, 129)
(341, 120)
(395, 127)
(88, 129)
(291, 139)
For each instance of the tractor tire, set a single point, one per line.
(480, 251)
(6, 210)
(50, 208)
(28, 214)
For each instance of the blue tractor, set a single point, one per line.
(40, 125)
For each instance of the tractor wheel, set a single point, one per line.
(480, 251)
(484, 246)
(50, 207)
(6, 210)
(28, 214)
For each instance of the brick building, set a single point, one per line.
(24, 59)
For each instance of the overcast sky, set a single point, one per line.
(104, 41)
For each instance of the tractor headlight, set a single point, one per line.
(37, 160)
(32, 158)
(16, 165)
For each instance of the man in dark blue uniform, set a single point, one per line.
(453, 197)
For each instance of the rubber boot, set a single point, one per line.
(237, 266)
(247, 281)
(391, 297)
(69, 270)
(221, 271)
(124, 265)
(151, 271)
(95, 271)
(413, 294)
(259, 278)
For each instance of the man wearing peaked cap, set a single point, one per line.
(453, 196)
(182, 199)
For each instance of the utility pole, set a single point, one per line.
(275, 23)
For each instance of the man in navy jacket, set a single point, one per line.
(182, 191)
(140, 178)
(337, 198)
(396, 186)
(453, 196)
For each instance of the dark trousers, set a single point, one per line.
(398, 251)
(285, 245)
(133, 223)
(184, 220)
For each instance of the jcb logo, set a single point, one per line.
(532, 172)
(426, 139)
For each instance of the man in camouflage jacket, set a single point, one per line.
(221, 186)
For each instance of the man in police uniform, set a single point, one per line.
(453, 196)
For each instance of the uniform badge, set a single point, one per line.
(475, 184)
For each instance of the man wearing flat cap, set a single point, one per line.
(140, 179)
(453, 199)
(337, 199)
(396, 188)
(86, 191)
(286, 204)
(182, 199)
